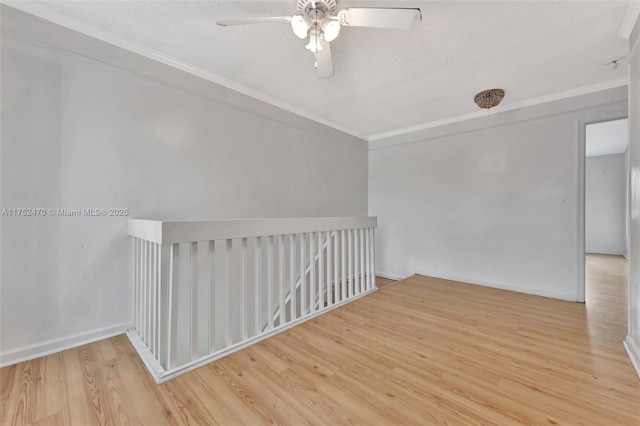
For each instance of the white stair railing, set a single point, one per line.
(205, 289)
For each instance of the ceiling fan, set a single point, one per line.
(319, 20)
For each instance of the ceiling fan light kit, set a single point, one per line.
(318, 20)
(331, 30)
(314, 41)
(300, 25)
(489, 98)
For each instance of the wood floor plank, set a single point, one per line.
(24, 405)
(221, 393)
(420, 351)
(219, 411)
(81, 411)
(7, 378)
(94, 384)
(253, 402)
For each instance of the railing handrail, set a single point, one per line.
(186, 231)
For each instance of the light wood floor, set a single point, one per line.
(422, 351)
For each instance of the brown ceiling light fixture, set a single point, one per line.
(489, 98)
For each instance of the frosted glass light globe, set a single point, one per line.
(331, 30)
(300, 26)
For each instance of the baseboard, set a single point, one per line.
(612, 253)
(625, 255)
(500, 286)
(26, 353)
(633, 351)
(389, 276)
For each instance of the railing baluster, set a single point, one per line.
(146, 292)
(270, 310)
(303, 279)
(329, 254)
(140, 288)
(172, 318)
(256, 281)
(292, 277)
(373, 257)
(143, 275)
(163, 307)
(154, 300)
(194, 300)
(281, 280)
(343, 263)
(312, 273)
(336, 283)
(150, 295)
(156, 289)
(212, 296)
(362, 261)
(228, 247)
(149, 292)
(320, 271)
(350, 261)
(244, 317)
(136, 286)
(158, 298)
(356, 263)
(368, 266)
(142, 269)
(141, 300)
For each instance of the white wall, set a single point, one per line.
(493, 202)
(605, 204)
(632, 343)
(78, 132)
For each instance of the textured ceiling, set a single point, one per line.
(610, 137)
(385, 79)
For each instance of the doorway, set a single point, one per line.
(606, 207)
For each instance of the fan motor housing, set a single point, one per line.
(326, 6)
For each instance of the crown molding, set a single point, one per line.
(43, 11)
(386, 139)
(629, 20)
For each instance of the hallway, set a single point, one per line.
(607, 293)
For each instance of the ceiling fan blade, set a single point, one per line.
(323, 60)
(398, 18)
(269, 20)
